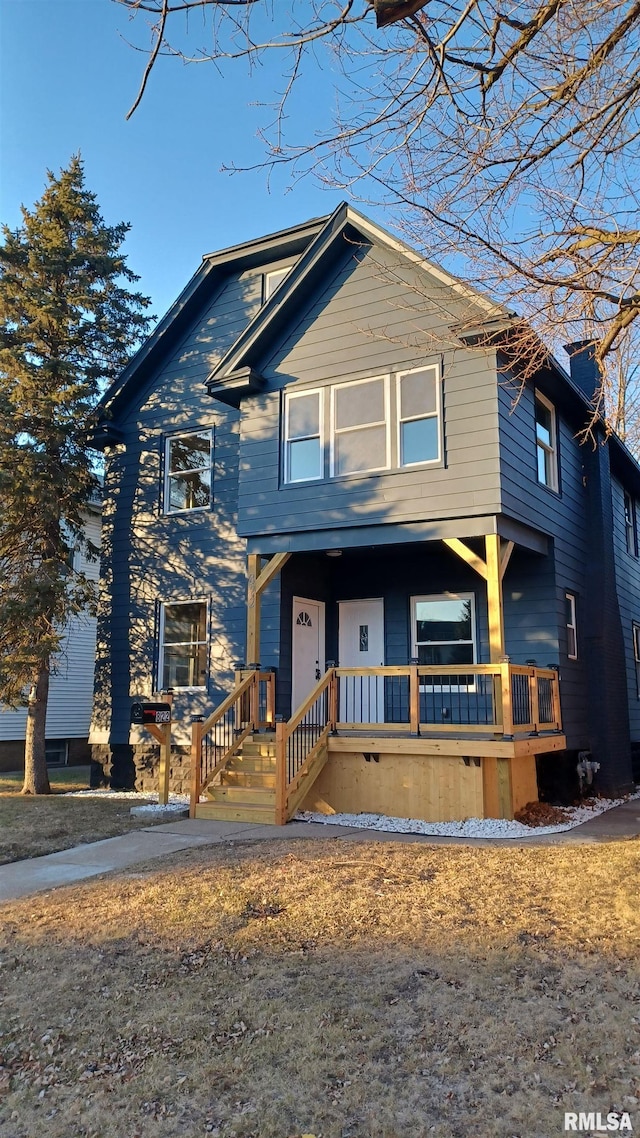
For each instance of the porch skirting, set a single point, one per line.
(436, 780)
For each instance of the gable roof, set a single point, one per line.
(212, 271)
(234, 376)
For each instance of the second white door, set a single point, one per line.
(361, 645)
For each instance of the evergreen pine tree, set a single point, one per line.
(68, 323)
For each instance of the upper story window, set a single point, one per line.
(630, 524)
(359, 426)
(271, 281)
(418, 416)
(546, 442)
(189, 466)
(303, 437)
(183, 645)
(363, 426)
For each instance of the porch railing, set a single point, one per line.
(301, 745)
(218, 737)
(503, 699)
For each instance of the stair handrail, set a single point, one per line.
(287, 781)
(248, 686)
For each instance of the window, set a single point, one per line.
(546, 446)
(272, 280)
(630, 524)
(183, 645)
(444, 628)
(303, 459)
(189, 464)
(636, 654)
(359, 426)
(418, 416)
(572, 635)
(56, 752)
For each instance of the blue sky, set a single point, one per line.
(67, 79)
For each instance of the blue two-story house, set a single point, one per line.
(376, 566)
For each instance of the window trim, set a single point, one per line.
(333, 431)
(168, 475)
(551, 450)
(161, 643)
(282, 272)
(289, 396)
(635, 636)
(630, 523)
(573, 625)
(447, 596)
(437, 415)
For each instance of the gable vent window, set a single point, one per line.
(419, 416)
(189, 465)
(271, 280)
(360, 436)
(303, 437)
(546, 442)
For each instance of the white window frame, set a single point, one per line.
(425, 686)
(437, 415)
(168, 509)
(635, 635)
(289, 397)
(573, 625)
(630, 523)
(551, 450)
(268, 288)
(334, 432)
(161, 645)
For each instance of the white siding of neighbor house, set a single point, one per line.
(71, 688)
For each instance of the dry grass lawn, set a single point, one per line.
(343, 990)
(42, 824)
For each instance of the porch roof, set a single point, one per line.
(354, 537)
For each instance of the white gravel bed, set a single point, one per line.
(470, 827)
(148, 803)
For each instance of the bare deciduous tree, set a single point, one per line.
(504, 135)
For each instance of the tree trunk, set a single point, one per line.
(36, 776)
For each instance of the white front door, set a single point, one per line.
(361, 645)
(308, 648)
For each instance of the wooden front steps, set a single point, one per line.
(246, 788)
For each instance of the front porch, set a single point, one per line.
(415, 741)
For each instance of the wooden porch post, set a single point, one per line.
(494, 598)
(258, 579)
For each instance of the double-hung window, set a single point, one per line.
(360, 426)
(572, 627)
(630, 524)
(303, 457)
(635, 630)
(444, 628)
(189, 468)
(183, 645)
(418, 396)
(546, 442)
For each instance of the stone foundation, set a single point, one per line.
(127, 767)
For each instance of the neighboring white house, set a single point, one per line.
(71, 688)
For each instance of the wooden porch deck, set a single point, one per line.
(380, 740)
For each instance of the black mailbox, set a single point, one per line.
(155, 713)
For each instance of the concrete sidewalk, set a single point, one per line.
(21, 878)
